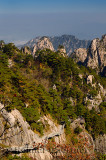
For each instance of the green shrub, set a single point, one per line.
(74, 140)
(78, 130)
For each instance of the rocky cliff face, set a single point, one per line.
(39, 43)
(68, 41)
(95, 57)
(79, 55)
(62, 50)
(26, 50)
(94, 102)
(43, 43)
(15, 133)
(97, 54)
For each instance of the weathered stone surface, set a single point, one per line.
(1, 126)
(72, 101)
(41, 155)
(62, 50)
(7, 116)
(18, 135)
(93, 102)
(90, 146)
(96, 57)
(10, 63)
(100, 144)
(42, 43)
(102, 90)
(60, 139)
(79, 122)
(89, 79)
(79, 55)
(70, 42)
(26, 50)
(1, 44)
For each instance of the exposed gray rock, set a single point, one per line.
(72, 101)
(10, 63)
(62, 50)
(90, 146)
(19, 137)
(42, 43)
(68, 41)
(7, 116)
(1, 44)
(81, 76)
(79, 55)
(54, 87)
(1, 126)
(26, 50)
(93, 102)
(79, 122)
(100, 144)
(96, 57)
(41, 155)
(18, 134)
(60, 139)
(53, 129)
(102, 90)
(89, 79)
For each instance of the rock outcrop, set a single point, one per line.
(93, 102)
(26, 50)
(1, 44)
(42, 43)
(97, 53)
(100, 144)
(84, 136)
(79, 122)
(70, 42)
(10, 63)
(62, 50)
(90, 79)
(39, 43)
(94, 57)
(79, 55)
(16, 133)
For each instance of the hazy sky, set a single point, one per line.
(22, 20)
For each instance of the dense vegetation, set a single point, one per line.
(44, 85)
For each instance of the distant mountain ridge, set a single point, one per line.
(70, 42)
